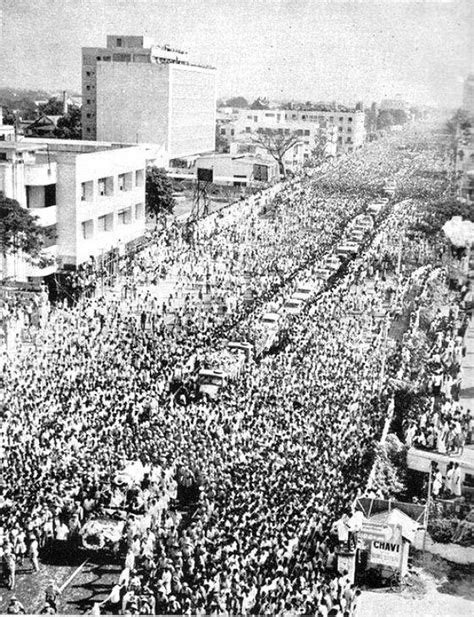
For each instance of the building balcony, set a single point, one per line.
(46, 216)
(40, 174)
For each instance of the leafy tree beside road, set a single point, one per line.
(159, 193)
(277, 144)
(19, 230)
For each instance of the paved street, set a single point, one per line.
(433, 603)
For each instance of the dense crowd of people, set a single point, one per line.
(444, 424)
(270, 463)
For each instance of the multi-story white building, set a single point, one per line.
(134, 91)
(345, 128)
(90, 196)
(339, 131)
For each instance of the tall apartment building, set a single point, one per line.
(134, 91)
(468, 94)
(90, 196)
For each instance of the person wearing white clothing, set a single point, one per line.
(456, 481)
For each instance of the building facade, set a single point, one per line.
(240, 169)
(333, 131)
(134, 91)
(346, 129)
(89, 196)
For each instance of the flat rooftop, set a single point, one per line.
(241, 156)
(21, 146)
(77, 146)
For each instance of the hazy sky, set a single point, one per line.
(304, 49)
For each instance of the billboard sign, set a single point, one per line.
(386, 553)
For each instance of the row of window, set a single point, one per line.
(302, 117)
(105, 186)
(105, 223)
(118, 57)
(300, 132)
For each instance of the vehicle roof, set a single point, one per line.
(210, 371)
(239, 345)
(271, 316)
(347, 245)
(298, 296)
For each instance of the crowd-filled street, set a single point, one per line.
(222, 500)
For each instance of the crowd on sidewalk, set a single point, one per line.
(444, 425)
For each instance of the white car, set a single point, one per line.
(211, 381)
(390, 188)
(303, 294)
(305, 290)
(271, 321)
(364, 221)
(323, 273)
(375, 207)
(348, 249)
(293, 306)
(357, 235)
(332, 262)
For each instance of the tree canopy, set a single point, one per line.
(159, 192)
(260, 103)
(319, 151)
(19, 230)
(276, 143)
(54, 107)
(69, 126)
(237, 101)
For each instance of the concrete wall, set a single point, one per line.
(73, 169)
(227, 168)
(66, 198)
(171, 105)
(132, 102)
(12, 181)
(192, 127)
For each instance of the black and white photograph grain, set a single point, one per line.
(236, 308)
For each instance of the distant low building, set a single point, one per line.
(239, 169)
(397, 104)
(44, 126)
